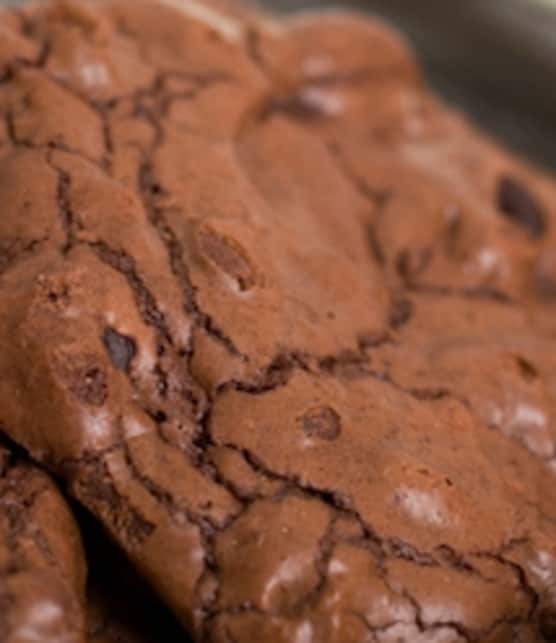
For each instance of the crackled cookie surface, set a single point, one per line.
(42, 567)
(281, 322)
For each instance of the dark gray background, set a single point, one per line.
(496, 59)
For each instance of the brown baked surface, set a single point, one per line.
(42, 567)
(280, 321)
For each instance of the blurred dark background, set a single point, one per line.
(496, 59)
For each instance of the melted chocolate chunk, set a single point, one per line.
(517, 203)
(527, 370)
(228, 255)
(121, 348)
(322, 422)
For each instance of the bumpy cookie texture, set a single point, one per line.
(281, 322)
(42, 566)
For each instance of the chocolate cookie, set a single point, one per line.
(42, 566)
(280, 321)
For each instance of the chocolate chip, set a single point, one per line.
(520, 206)
(527, 370)
(322, 422)
(121, 348)
(228, 256)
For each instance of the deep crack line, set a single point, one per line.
(341, 505)
(377, 198)
(10, 257)
(49, 147)
(521, 576)
(149, 188)
(125, 264)
(69, 219)
(95, 489)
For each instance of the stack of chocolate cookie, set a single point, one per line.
(276, 335)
